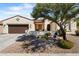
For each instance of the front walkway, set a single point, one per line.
(16, 47)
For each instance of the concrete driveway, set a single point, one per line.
(7, 39)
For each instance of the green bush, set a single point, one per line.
(77, 32)
(66, 44)
(48, 34)
(45, 37)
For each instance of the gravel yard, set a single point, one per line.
(16, 47)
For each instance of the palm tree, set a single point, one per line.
(61, 14)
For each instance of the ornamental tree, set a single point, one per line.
(61, 14)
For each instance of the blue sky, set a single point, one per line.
(12, 9)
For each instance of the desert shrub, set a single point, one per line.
(45, 37)
(77, 32)
(66, 44)
(48, 34)
(26, 38)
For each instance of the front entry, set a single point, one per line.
(48, 27)
(39, 27)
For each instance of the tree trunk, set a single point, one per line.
(63, 32)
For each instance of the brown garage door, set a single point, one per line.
(17, 28)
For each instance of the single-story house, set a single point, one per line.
(18, 24)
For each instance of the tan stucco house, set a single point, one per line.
(18, 24)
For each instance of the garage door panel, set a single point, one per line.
(17, 28)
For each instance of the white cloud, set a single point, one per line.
(23, 9)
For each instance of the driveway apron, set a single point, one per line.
(7, 39)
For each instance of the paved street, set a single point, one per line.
(7, 39)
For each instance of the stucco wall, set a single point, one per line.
(46, 23)
(53, 26)
(73, 26)
(5, 28)
(20, 21)
(1, 28)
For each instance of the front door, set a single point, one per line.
(39, 27)
(48, 27)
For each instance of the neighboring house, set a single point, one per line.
(18, 24)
